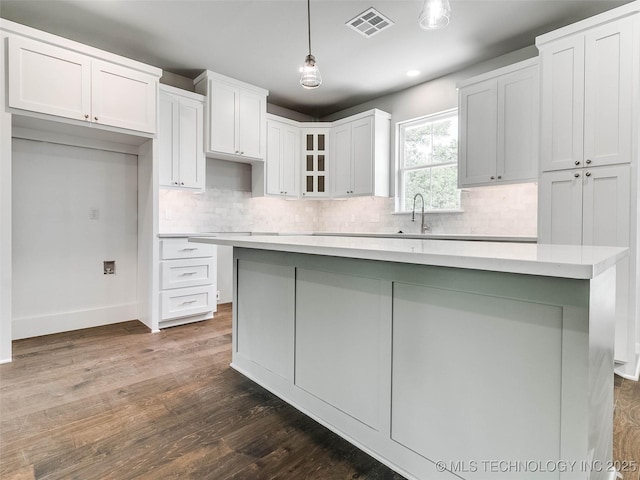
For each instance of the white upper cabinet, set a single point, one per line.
(586, 96)
(180, 139)
(53, 80)
(235, 118)
(283, 158)
(360, 155)
(121, 97)
(498, 126)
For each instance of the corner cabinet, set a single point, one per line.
(180, 139)
(360, 155)
(235, 118)
(283, 158)
(52, 80)
(588, 188)
(498, 126)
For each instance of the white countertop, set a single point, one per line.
(567, 261)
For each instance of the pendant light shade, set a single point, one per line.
(435, 14)
(310, 77)
(310, 74)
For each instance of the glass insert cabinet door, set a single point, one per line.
(315, 143)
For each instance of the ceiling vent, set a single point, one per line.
(369, 22)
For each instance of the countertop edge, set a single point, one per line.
(586, 270)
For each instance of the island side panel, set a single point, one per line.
(579, 434)
(493, 393)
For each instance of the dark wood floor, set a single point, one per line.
(116, 402)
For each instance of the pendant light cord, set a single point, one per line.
(309, 23)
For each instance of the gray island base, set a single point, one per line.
(443, 360)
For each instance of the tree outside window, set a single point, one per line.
(428, 161)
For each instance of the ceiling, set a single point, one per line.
(264, 42)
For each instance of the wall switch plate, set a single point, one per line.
(94, 213)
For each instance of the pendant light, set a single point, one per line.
(310, 77)
(435, 14)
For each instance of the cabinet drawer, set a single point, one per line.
(187, 273)
(184, 302)
(175, 248)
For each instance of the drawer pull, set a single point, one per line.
(186, 302)
(187, 273)
(189, 249)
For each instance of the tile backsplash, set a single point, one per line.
(499, 210)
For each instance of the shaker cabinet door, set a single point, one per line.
(48, 79)
(122, 97)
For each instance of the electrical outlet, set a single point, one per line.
(109, 267)
(218, 295)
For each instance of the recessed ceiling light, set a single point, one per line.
(413, 73)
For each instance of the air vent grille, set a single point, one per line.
(369, 22)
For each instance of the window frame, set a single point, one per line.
(401, 170)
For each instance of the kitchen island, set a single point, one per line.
(442, 359)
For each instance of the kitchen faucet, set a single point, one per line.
(423, 226)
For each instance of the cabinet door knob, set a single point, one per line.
(588, 174)
(588, 162)
(181, 183)
(576, 174)
(577, 162)
(499, 177)
(492, 177)
(95, 118)
(86, 116)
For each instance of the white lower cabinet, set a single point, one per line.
(590, 206)
(187, 281)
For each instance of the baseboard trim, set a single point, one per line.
(35, 326)
(630, 371)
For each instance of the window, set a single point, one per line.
(428, 162)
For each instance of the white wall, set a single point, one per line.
(58, 249)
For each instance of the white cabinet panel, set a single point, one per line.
(562, 91)
(121, 97)
(560, 208)
(341, 156)
(586, 98)
(360, 156)
(236, 118)
(478, 133)
(185, 302)
(518, 117)
(175, 248)
(265, 319)
(187, 273)
(180, 138)
(283, 158)
(608, 90)
(222, 115)
(362, 171)
(495, 339)
(337, 353)
(251, 118)
(498, 126)
(48, 79)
